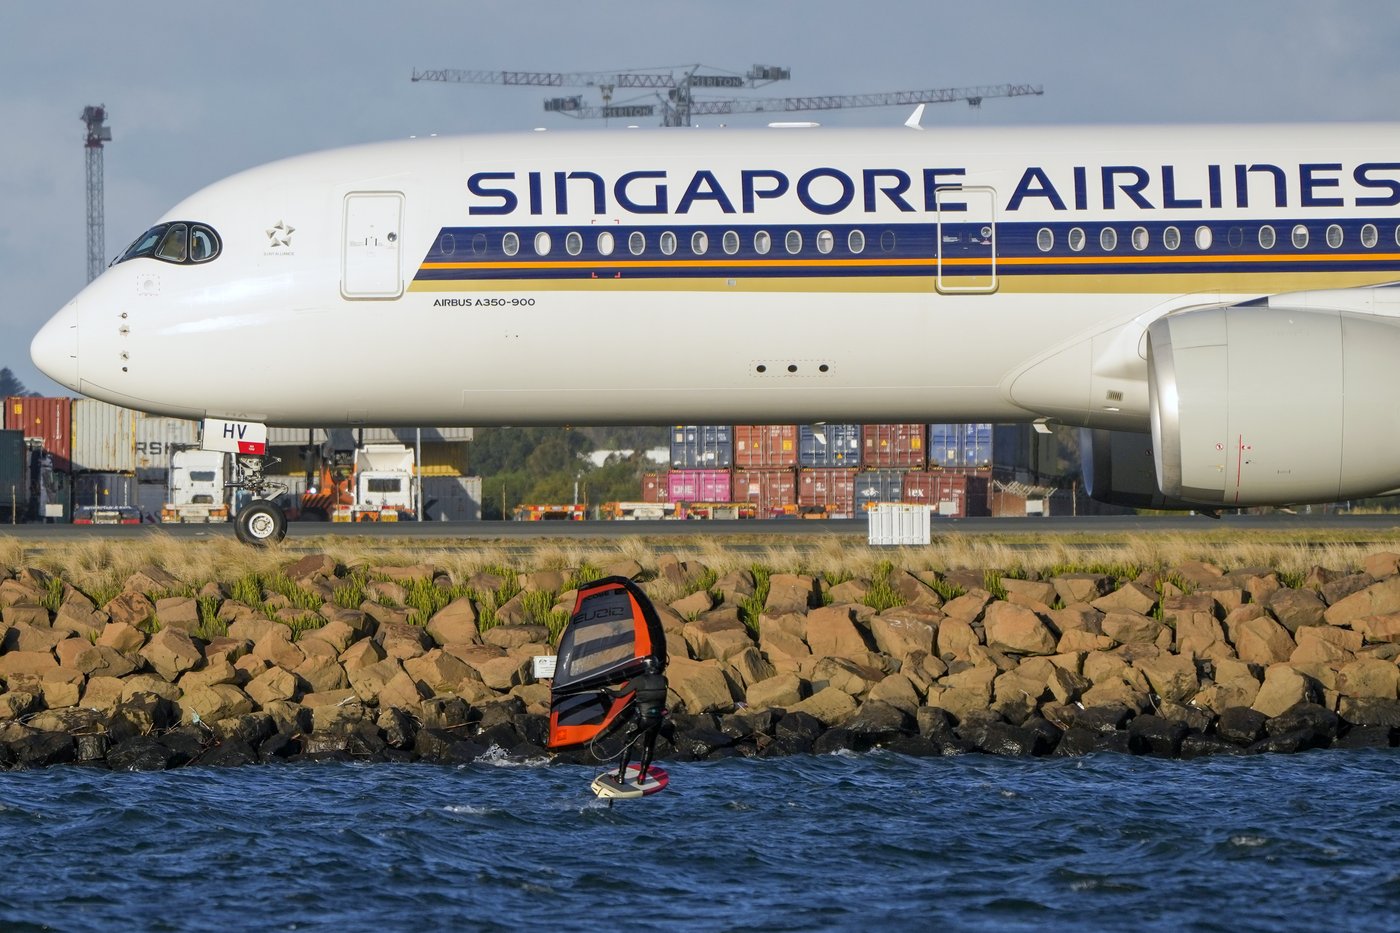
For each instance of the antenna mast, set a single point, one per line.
(98, 132)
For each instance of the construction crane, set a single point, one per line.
(98, 132)
(677, 105)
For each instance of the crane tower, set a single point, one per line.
(98, 132)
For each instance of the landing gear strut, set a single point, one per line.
(260, 522)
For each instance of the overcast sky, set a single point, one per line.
(197, 91)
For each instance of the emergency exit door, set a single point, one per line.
(967, 240)
(370, 253)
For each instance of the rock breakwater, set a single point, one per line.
(321, 661)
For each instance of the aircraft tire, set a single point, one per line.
(260, 523)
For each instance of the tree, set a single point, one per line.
(9, 385)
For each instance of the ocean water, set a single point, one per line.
(834, 842)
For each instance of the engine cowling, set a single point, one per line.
(1258, 405)
(1118, 467)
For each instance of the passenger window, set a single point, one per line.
(855, 242)
(542, 244)
(699, 243)
(447, 244)
(794, 242)
(1369, 236)
(510, 244)
(573, 243)
(637, 243)
(1267, 237)
(1108, 239)
(204, 245)
(825, 242)
(887, 241)
(1140, 238)
(731, 242)
(1171, 238)
(668, 243)
(1300, 237)
(1204, 237)
(478, 244)
(173, 246)
(1334, 236)
(1076, 239)
(762, 242)
(605, 244)
(1045, 239)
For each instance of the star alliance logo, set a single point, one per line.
(280, 235)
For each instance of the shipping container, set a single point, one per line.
(765, 446)
(893, 445)
(953, 495)
(104, 489)
(444, 458)
(773, 492)
(150, 499)
(654, 487)
(104, 438)
(829, 445)
(876, 486)
(14, 477)
(827, 491)
(156, 439)
(698, 486)
(960, 446)
(702, 447)
(452, 498)
(48, 419)
(53, 491)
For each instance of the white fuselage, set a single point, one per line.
(942, 275)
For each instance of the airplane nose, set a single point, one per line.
(55, 347)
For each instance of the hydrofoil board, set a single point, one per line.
(607, 786)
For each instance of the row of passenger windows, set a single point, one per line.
(606, 243)
(1267, 237)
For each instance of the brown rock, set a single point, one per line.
(1128, 628)
(439, 671)
(1081, 587)
(898, 691)
(903, 630)
(1171, 677)
(790, 593)
(514, 636)
(171, 652)
(1079, 640)
(211, 673)
(735, 586)
(270, 686)
(1076, 617)
(276, 646)
(149, 580)
(1377, 599)
(700, 685)
(102, 661)
(694, 604)
(455, 623)
(181, 612)
(956, 638)
(1382, 564)
(1260, 640)
(784, 650)
(321, 674)
(1016, 629)
(214, 703)
(81, 621)
(831, 633)
(748, 666)
(1130, 597)
(310, 566)
(1369, 677)
(967, 607)
(368, 681)
(781, 691)
(1116, 693)
(130, 607)
(403, 641)
(401, 692)
(717, 635)
(1283, 687)
(845, 674)
(1200, 635)
(914, 591)
(830, 706)
(1382, 628)
(102, 692)
(624, 568)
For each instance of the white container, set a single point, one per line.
(893, 523)
(157, 439)
(104, 438)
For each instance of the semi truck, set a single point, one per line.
(198, 491)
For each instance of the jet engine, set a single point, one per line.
(1118, 467)
(1259, 405)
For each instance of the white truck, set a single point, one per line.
(197, 493)
(384, 487)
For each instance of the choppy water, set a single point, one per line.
(843, 842)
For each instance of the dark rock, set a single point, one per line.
(794, 734)
(935, 723)
(139, 753)
(747, 723)
(501, 711)
(1366, 737)
(1078, 740)
(1241, 725)
(1341, 587)
(1047, 734)
(1102, 718)
(229, 754)
(280, 747)
(445, 712)
(698, 744)
(502, 735)
(252, 728)
(534, 727)
(1201, 746)
(526, 751)
(398, 728)
(365, 742)
(91, 748)
(444, 747)
(879, 720)
(1000, 738)
(1149, 734)
(1286, 742)
(142, 714)
(1370, 711)
(1193, 718)
(1319, 720)
(915, 746)
(326, 742)
(186, 744)
(840, 739)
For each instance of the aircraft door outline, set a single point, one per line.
(967, 240)
(370, 257)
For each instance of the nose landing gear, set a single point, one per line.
(261, 522)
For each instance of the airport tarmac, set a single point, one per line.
(1333, 525)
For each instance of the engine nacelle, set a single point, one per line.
(1253, 405)
(1119, 468)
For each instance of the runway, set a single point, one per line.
(1335, 527)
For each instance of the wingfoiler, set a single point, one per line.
(610, 678)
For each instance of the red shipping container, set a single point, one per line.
(774, 492)
(697, 486)
(831, 489)
(50, 419)
(654, 488)
(765, 446)
(957, 495)
(893, 445)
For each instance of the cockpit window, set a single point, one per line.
(179, 242)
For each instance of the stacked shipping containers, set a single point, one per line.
(47, 427)
(104, 454)
(765, 462)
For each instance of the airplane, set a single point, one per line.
(1217, 306)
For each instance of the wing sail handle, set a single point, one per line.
(612, 637)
